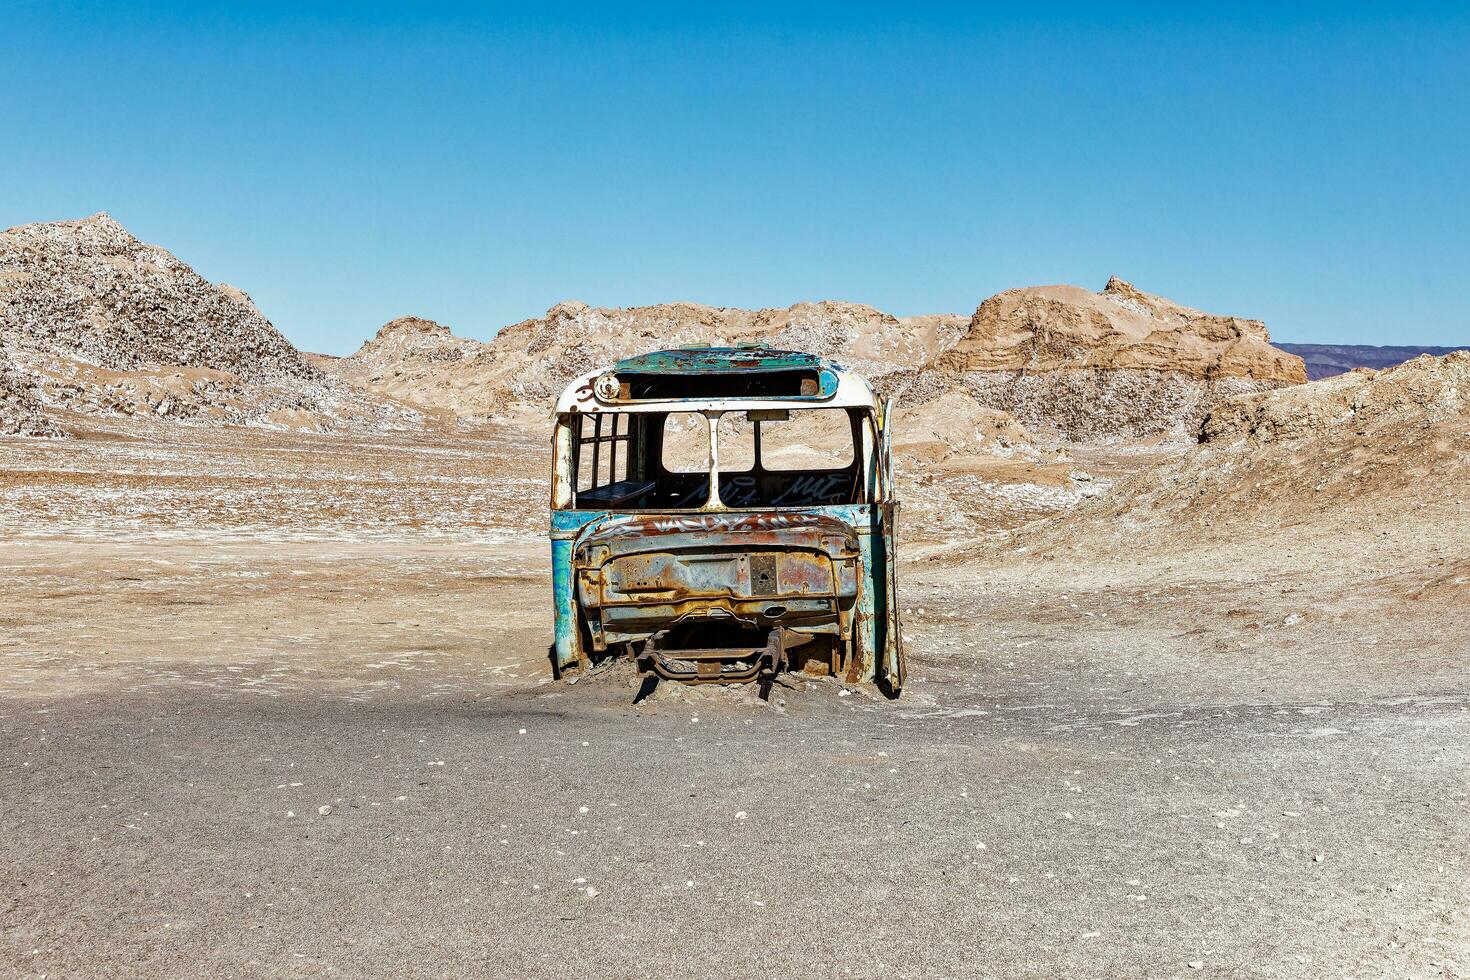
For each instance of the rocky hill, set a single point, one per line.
(421, 363)
(1326, 360)
(411, 339)
(1120, 362)
(1365, 452)
(1061, 359)
(96, 322)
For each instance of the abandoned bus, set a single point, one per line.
(723, 514)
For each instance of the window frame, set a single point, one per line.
(637, 429)
(707, 426)
(597, 440)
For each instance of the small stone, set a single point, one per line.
(1196, 964)
(324, 810)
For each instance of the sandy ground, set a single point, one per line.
(1105, 765)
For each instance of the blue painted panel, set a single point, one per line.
(562, 602)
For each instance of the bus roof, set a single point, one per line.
(721, 360)
(718, 379)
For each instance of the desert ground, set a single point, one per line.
(279, 704)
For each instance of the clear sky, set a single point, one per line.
(1308, 165)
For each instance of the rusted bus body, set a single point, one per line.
(725, 568)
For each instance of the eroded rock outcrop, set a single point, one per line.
(1120, 362)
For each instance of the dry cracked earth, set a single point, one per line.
(279, 706)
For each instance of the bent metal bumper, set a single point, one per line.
(713, 665)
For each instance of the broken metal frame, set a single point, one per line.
(713, 665)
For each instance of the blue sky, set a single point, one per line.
(475, 164)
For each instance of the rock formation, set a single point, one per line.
(1120, 362)
(101, 324)
(1062, 360)
(413, 339)
(420, 362)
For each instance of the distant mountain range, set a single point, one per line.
(1325, 360)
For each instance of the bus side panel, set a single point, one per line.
(563, 601)
(565, 526)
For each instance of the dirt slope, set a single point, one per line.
(1365, 453)
(1120, 362)
(99, 323)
